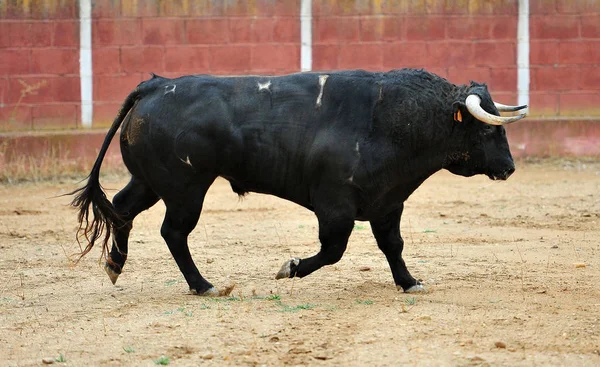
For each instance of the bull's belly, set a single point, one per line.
(295, 193)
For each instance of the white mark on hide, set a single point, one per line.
(264, 86)
(172, 90)
(322, 80)
(357, 150)
(187, 161)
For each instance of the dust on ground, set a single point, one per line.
(512, 270)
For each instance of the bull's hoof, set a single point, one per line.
(113, 275)
(417, 288)
(210, 292)
(288, 269)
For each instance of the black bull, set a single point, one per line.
(349, 145)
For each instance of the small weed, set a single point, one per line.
(301, 226)
(204, 307)
(162, 361)
(189, 314)
(359, 227)
(178, 310)
(430, 231)
(169, 283)
(60, 359)
(272, 297)
(365, 302)
(287, 308)
(305, 307)
(225, 299)
(129, 349)
(410, 301)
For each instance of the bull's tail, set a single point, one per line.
(105, 217)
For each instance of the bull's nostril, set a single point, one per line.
(509, 172)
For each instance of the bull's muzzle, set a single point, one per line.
(502, 175)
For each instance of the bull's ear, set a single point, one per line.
(458, 110)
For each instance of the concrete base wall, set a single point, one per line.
(548, 138)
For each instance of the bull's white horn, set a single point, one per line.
(473, 103)
(506, 108)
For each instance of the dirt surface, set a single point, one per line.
(512, 271)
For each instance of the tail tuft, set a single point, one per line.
(104, 219)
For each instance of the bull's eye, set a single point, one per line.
(488, 129)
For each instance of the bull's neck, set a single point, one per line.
(429, 145)
(422, 138)
(424, 154)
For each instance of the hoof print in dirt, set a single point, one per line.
(289, 269)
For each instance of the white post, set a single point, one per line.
(306, 35)
(85, 62)
(523, 53)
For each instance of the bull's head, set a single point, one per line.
(482, 146)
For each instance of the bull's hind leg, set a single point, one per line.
(387, 234)
(182, 215)
(129, 202)
(336, 221)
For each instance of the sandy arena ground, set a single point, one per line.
(512, 270)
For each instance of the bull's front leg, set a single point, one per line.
(387, 234)
(336, 221)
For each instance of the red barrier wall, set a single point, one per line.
(565, 58)
(39, 68)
